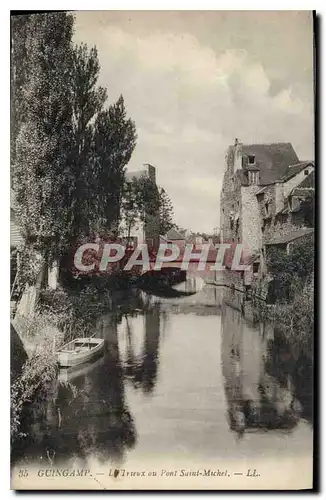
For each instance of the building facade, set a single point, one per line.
(264, 188)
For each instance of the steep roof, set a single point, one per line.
(293, 170)
(308, 181)
(173, 234)
(272, 159)
(262, 190)
(252, 258)
(302, 192)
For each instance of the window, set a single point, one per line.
(306, 172)
(251, 159)
(266, 208)
(255, 267)
(231, 223)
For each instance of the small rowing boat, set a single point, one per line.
(69, 374)
(78, 351)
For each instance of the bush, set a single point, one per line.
(290, 271)
(295, 321)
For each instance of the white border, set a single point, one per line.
(5, 160)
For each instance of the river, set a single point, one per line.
(187, 378)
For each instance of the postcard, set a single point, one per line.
(162, 250)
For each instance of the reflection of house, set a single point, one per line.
(255, 397)
(141, 232)
(139, 348)
(263, 189)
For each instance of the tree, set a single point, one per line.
(41, 170)
(165, 212)
(18, 76)
(290, 271)
(113, 143)
(130, 207)
(70, 152)
(140, 205)
(87, 100)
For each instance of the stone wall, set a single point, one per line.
(251, 234)
(282, 225)
(230, 203)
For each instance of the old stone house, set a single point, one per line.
(262, 192)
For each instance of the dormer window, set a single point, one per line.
(251, 159)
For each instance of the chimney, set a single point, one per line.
(237, 155)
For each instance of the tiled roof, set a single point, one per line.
(272, 160)
(173, 234)
(293, 170)
(262, 190)
(302, 192)
(291, 236)
(308, 181)
(251, 259)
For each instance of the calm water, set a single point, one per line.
(181, 377)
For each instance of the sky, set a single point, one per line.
(193, 81)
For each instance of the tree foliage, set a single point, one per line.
(290, 270)
(69, 150)
(42, 147)
(140, 203)
(165, 212)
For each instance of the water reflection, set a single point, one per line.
(142, 368)
(260, 388)
(212, 377)
(86, 414)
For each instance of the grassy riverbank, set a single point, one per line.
(60, 316)
(40, 337)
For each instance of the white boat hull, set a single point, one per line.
(80, 354)
(67, 374)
